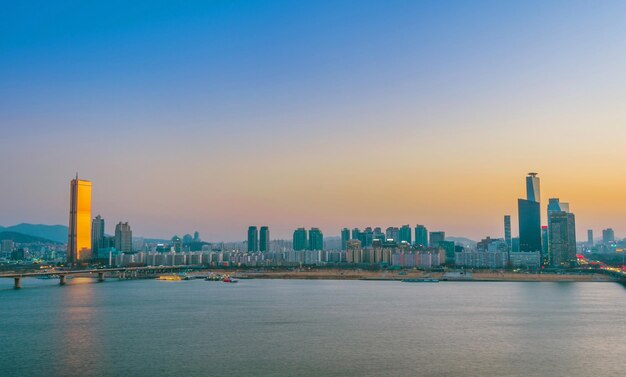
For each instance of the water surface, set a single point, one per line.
(311, 328)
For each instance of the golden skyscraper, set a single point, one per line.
(79, 235)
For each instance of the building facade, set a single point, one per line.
(79, 232)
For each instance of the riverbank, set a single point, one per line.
(400, 275)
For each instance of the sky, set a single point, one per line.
(216, 115)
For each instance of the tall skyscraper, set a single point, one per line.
(507, 230)
(562, 238)
(123, 238)
(316, 239)
(97, 235)
(253, 239)
(405, 234)
(529, 213)
(590, 237)
(345, 237)
(299, 239)
(421, 236)
(608, 236)
(436, 238)
(79, 232)
(532, 188)
(264, 239)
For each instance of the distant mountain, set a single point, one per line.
(23, 238)
(462, 241)
(56, 233)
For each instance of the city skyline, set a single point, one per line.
(531, 190)
(322, 117)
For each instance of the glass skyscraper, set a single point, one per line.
(316, 239)
(264, 239)
(299, 239)
(253, 239)
(79, 232)
(421, 236)
(529, 215)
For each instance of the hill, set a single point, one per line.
(23, 238)
(56, 233)
(462, 241)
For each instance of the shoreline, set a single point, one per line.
(399, 276)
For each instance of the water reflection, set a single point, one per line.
(78, 323)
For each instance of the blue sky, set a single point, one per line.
(232, 97)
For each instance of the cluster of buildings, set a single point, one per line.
(537, 246)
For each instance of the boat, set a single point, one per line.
(228, 279)
(420, 280)
(169, 278)
(213, 277)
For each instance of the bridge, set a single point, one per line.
(122, 272)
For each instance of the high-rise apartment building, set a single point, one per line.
(79, 232)
(123, 238)
(529, 213)
(421, 236)
(299, 239)
(345, 237)
(253, 239)
(264, 239)
(316, 239)
(507, 230)
(562, 238)
(97, 235)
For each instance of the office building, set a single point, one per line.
(393, 233)
(299, 239)
(529, 225)
(123, 238)
(264, 239)
(507, 230)
(421, 236)
(177, 244)
(545, 258)
(529, 214)
(97, 234)
(436, 238)
(405, 234)
(253, 239)
(79, 232)
(532, 188)
(316, 239)
(562, 239)
(345, 237)
(590, 237)
(608, 236)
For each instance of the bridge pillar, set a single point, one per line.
(62, 279)
(18, 282)
(100, 276)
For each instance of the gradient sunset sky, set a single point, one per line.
(216, 115)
